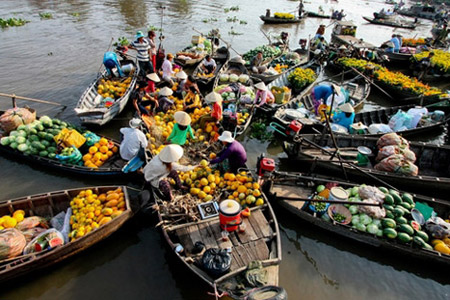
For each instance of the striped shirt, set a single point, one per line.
(142, 50)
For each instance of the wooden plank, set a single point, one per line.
(194, 234)
(207, 236)
(258, 219)
(291, 191)
(217, 231)
(236, 261)
(245, 256)
(232, 236)
(258, 250)
(185, 240)
(249, 233)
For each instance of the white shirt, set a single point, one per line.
(156, 170)
(132, 140)
(167, 68)
(212, 62)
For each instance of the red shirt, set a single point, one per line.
(150, 87)
(217, 111)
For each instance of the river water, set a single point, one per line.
(56, 59)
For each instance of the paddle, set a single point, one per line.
(282, 198)
(14, 97)
(373, 83)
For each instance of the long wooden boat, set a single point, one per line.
(288, 190)
(396, 58)
(420, 11)
(269, 109)
(221, 58)
(432, 161)
(259, 242)
(274, 20)
(48, 205)
(88, 108)
(312, 14)
(390, 23)
(358, 88)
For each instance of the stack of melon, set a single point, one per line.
(36, 138)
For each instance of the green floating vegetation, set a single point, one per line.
(46, 15)
(233, 8)
(75, 14)
(209, 20)
(153, 28)
(259, 131)
(122, 41)
(12, 22)
(232, 32)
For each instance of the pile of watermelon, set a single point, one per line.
(36, 138)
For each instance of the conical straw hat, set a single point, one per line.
(171, 153)
(182, 118)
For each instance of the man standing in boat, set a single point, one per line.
(144, 53)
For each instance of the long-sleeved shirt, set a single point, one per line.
(343, 120)
(236, 155)
(164, 104)
(111, 56)
(178, 136)
(167, 68)
(396, 43)
(261, 97)
(322, 92)
(217, 111)
(192, 100)
(142, 50)
(156, 170)
(133, 139)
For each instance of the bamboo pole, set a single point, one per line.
(14, 97)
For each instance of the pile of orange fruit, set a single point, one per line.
(90, 211)
(99, 153)
(243, 189)
(113, 88)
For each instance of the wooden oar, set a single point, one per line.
(373, 83)
(328, 201)
(14, 97)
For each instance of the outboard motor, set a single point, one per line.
(264, 165)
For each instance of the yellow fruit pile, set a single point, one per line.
(204, 183)
(8, 221)
(204, 75)
(99, 153)
(243, 189)
(280, 68)
(113, 88)
(440, 60)
(242, 117)
(90, 211)
(442, 246)
(284, 15)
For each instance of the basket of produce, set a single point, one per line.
(340, 214)
(318, 207)
(278, 94)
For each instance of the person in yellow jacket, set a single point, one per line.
(191, 100)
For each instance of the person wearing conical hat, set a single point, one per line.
(133, 140)
(143, 106)
(345, 117)
(178, 87)
(216, 114)
(164, 167)
(234, 152)
(181, 129)
(152, 79)
(164, 103)
(263, 95)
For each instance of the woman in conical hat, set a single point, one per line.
(345, 117)
(181, 129)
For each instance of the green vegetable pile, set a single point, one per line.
(268, 52)
(338, 217)
(12, 22)
(122, 41)
(259, 132)
(319, 206)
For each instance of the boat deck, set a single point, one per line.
(246, 246)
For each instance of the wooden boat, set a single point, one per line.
(48, 205)
(274, 20)
(88, 108)
(221, 57)
(259, 242)
(344, 33)
(420, 11)
(396, 58)
(391, 23)
(269, 109)
(432, 161)
(288, 190)
(312, 14)
(358, 88)
(231, 67)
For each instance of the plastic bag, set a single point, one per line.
(44, 241)
(14, 117)
(371, 192)
(379, 128)
(438, 227)
(91, 138)
(416, 114)
(72, 159)
(12, 242)
(409, 155)
(216, 262)
(387, 151)
(399, 120)
(373, 211)
(392, 139)
(32, 222)
(391, 163)
(70, 137)
(408, 168)
(31, 233)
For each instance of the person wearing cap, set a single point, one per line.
(181, 129)
(209, 65)
(143, 107)
(345, 117)
(234, 152)
(321, 93)
(181, 78)
(133, 140)
(168, 69)
(216, 113)
(191, 100)
(152, 79)
(263, 94)
(163, 167)
(110, 61)
(164, 103)
(144, 53)
(256, 63)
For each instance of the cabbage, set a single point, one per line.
(224, 77)
(12, 139)
(372, 228)
(379, 233)
(5, 141)
(234, 78)
(355, 220)
(353, 209)
(14, 133)
(22, 133)
(20, 140)
(376, 222)
(365, 219)
(232, 95)
(243, 78)
(22, 147)
(13, 145)
(361, 227)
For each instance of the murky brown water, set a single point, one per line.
(56, 59)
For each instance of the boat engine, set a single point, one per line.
(294, 128)
(265, 165)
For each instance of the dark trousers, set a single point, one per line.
(145, 67)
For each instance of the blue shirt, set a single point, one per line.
(322, 92)
(343, 120)
(111, 56)
(396, 43)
